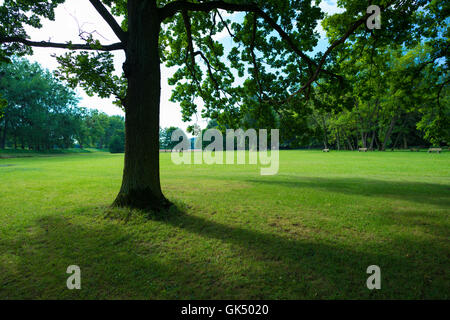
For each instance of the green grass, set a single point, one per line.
(309, 232)
(25, 153)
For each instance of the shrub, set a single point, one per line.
(117, 145)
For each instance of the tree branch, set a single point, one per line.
(110, 20)
(173, 7)
(190, 48)
(46, 44)
(442, 86)
(211, 74)
(329, 50)
(225, 24)
(255, 63)
(176, 6)
(336, 43)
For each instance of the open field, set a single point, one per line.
(309, 232)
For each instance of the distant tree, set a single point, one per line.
(395, 93)
(39, 111)
(97, 129)
(117, 144)
(115, 126)
(3, 104)
(82, 130)
(166, 142)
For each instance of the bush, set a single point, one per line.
(117, 145)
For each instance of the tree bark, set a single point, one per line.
(396, 141)
(325, 132)
(405, 142)
(377, 144)
(141, 180)
(349, 143)
(3, 139)
(387, 136)
(338, 139)
(372, 140)
(364, 139)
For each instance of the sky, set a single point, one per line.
(74, 15)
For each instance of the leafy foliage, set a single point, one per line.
(94, 72)
(117, 145)
(268, 75)
(40, 112)
(165, 138)
(16, 15)
(3, 104)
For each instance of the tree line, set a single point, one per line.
(398, 98)
(389, 97)
(39, 112)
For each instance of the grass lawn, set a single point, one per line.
(309, 232)
(25, 153)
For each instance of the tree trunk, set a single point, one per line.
(363, 139)
(387, 136)
(338, 139)
(325, 133)
(350, 145)
(3, 139)
(372, 140)
(377, 144)
(141, 180)
(405, 142)
(396, 140)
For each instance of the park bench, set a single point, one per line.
(326, 150)
(438, 150)
(363, 150)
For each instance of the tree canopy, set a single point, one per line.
(270, 61)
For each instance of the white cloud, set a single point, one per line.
(329, 7)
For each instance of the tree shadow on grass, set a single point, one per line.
(330, 270)
(117, 263)
(419, 192)
(430, 223)
(436, 195)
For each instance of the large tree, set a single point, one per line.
(271, 52)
